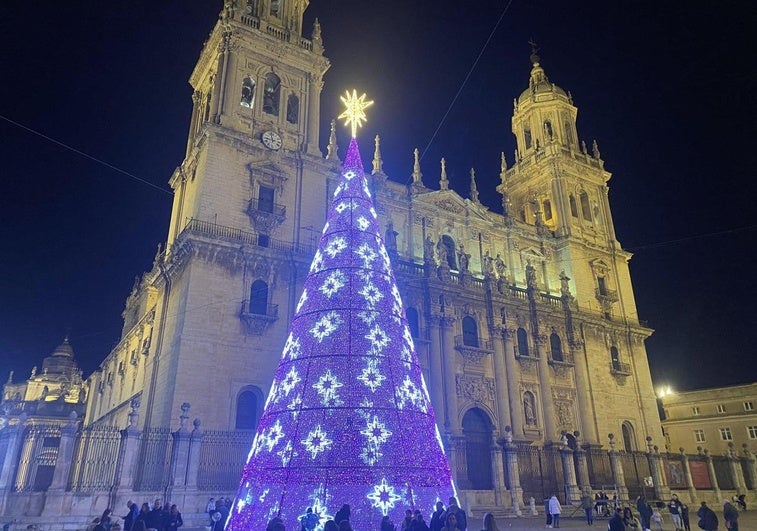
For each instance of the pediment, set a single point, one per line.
(450, 201)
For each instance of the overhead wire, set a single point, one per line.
(85, 155)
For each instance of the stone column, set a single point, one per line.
(10, 459)
(582, 468)
(180, 452)
(498, 473)
(28, 442)
(193, 467)
(569, 472)
(450, 370)
(436, 371)
(616, 465)
(737, 473)
(751, 468)
(500, 378)
(713, 477)
(545, 384)
(128, 452)
(511, 462)
(57, 490)
(687, 476)
(661, 490)
(513, 385)
(585, 405)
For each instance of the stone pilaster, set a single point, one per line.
(545, 384)
(180, 453)
(436, 373)
(450, 370)
(661, 489)
(582, 468)
(128, 452)
(503, 391)
(616, 465)
(513, 386)
(713, 477)
(737, 473)
(572, 493)
(10, 459)
(195, 445)
(513, 473)
(57, 490)
(498, 473)
(687, 476)
(585, 404)
(751, 468)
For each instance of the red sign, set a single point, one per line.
(700, 475)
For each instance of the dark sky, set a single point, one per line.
(666, 87)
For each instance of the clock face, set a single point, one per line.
(271, 140)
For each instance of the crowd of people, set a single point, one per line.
(450, 518)
(160, 517)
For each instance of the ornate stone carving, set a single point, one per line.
(450, 206)
(477, 389)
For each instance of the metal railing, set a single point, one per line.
(617, 367)
(471, 342)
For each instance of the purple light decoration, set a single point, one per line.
(348, 418)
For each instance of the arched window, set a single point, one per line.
(547, 210)
(293, 109)
(529, 408)
(615, 358)
(556, 346)
(248, 408)
(470, 331)
(412, 322)
(568, 134)
(248, 93)
(449, 245)
(573, 206)
(585, 206)
(527, 137)
(548, 129)
(522, 342)
(271, 94)
(477, 430)
(629, 437)
(259, 297)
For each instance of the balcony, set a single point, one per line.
(606, 296)
(265, 215)
(618, 368)
(565, 359)
(258, 319)
(475, 352)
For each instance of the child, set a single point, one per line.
(657, 519)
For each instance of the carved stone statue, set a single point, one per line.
(391, 238)
(564, 284)
(499, 266)
(34, 372)
(488, 264)
(428, 250)
(530, 275)
(442, 250)
(528, 409)
(464, 259)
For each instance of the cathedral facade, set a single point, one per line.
(525, 321)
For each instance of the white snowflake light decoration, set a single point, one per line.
(363, 223)
(287, 453)
(366, 254)
(289, 382)
(326, 325)
(371, 293)
(335, 246)
(378, 338)
(370, 454)
(371, 376)
(274, 435)
(383, 497)
(375, 431)
(316, 442)
(292, 347)
(328, 387)
(333, 283)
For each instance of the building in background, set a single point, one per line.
(719, 419)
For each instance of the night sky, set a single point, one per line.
(667, 88)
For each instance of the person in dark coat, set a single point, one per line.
(387, 525)
(708, 520)
(144, 514)
(460, 517)
(645, 512)
(131, 516)
(437, 522)
(157, 517)
(342, 514)
(174, 521)
(418, 523)
(222, 508)
(731, 516)
(685, 517)
(616, 522)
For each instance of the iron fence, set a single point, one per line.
(223, 455)
(95, 459)
(154, 470)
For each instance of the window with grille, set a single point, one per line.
(725, 434)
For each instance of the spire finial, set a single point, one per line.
(534, 57)
(332, 148)
(417, 175)
(443, 181)
(473, 189)
(378, 164)
(354, 112)
(502, 166)
(317, 38)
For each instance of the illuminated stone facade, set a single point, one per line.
(711, 419)
(525, 319)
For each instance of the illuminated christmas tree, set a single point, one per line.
(348, 418)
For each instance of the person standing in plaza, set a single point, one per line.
(708, 520)
(437, 518)
(731, 516)
(645, 513)
(555, 509)
(587, 504)
(674, 506)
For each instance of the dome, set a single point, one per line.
(64, 349)
(539, 83)
(61, 361)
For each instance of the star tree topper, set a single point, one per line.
(354, 114)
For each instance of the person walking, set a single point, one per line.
(616, 522)
(587, 504)
(555, 509)
(645, 513)
(490, 524)
(685, 517)
(731, 516)
(708, 520)
(174, 520)
(674, 506)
